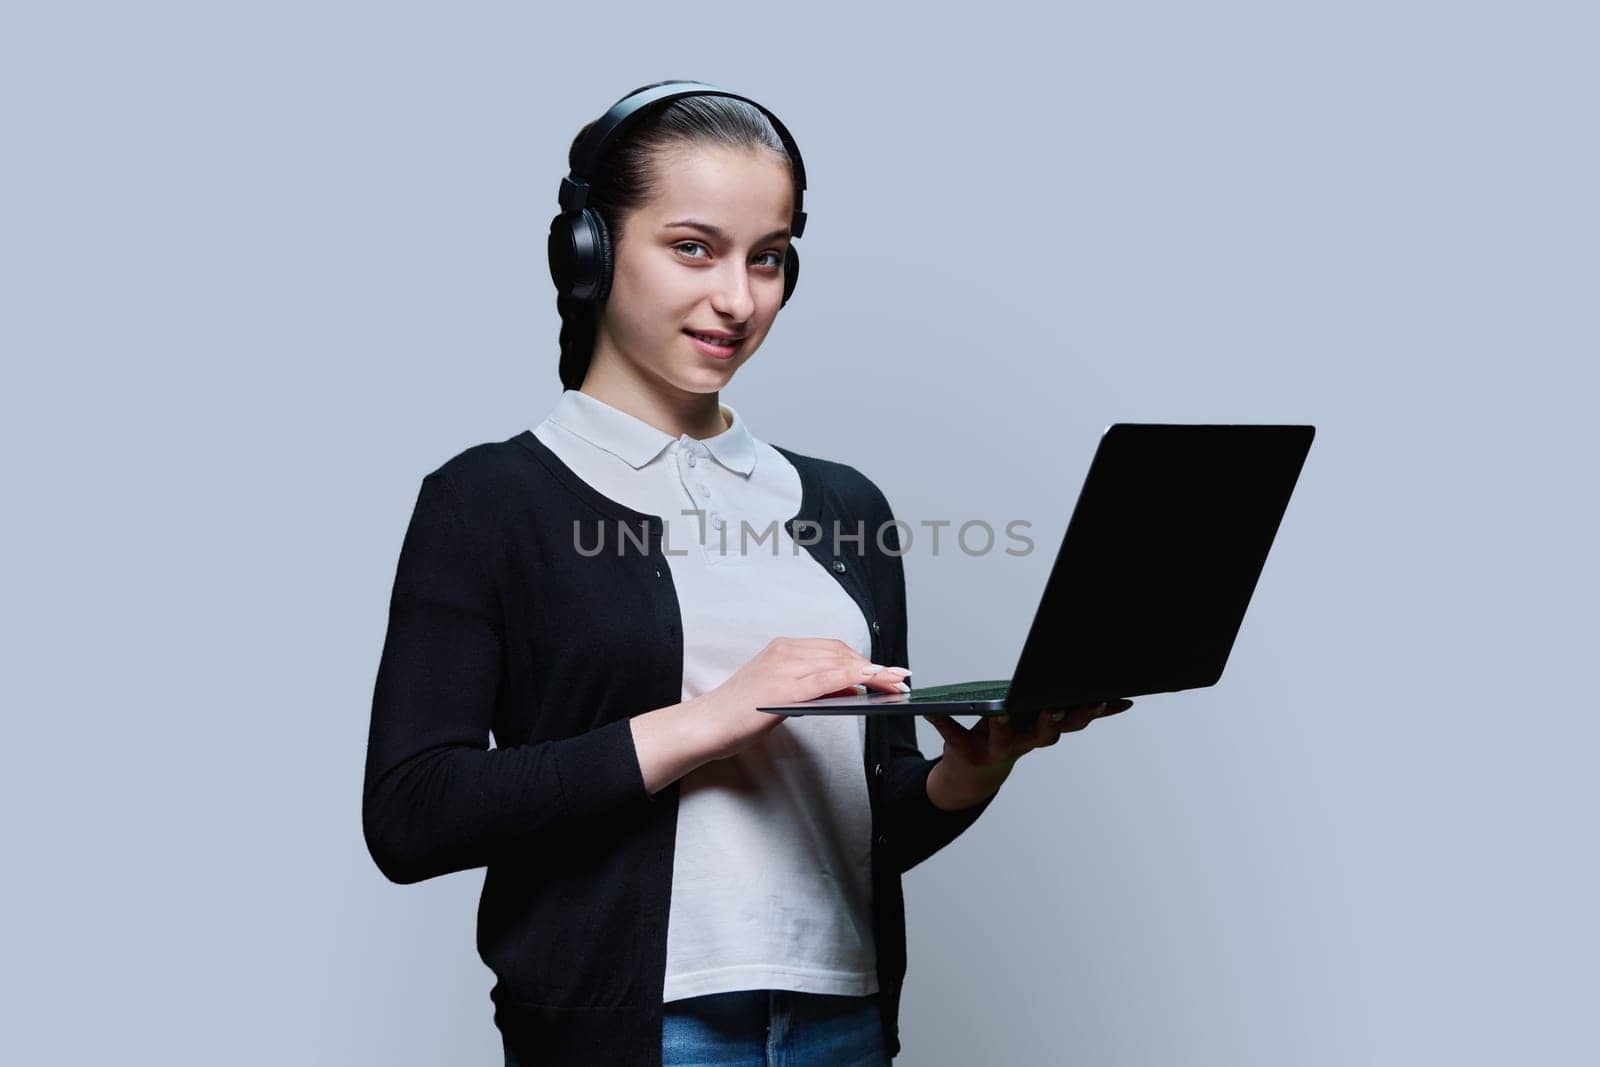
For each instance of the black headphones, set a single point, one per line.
(580, 245)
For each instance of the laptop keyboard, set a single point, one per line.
(962, 691)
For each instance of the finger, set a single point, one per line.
(1026, 729)
(1049, 729)
(1076, 718)
(854, 667)
(851, 658)
(816, 660)
(887, 679)
(955, 735)
(888, 682)
(840, 680)
(1001, 734)
(826, 644)
(824, 655)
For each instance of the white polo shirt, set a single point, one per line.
(771, 877)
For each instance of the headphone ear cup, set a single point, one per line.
(791, 274)
(602, 244)
(580, 256)
(562, 252)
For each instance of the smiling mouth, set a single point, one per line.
(717, 345)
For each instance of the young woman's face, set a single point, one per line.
(705, 255)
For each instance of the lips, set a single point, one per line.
(714, 350)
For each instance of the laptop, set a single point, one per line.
(1150, 584)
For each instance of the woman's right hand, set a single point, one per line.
(788, 670)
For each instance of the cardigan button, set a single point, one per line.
(874, 625)
(877, 770)
(883, 840)
(838, 565)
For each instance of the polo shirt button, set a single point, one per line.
(838, 565)
(691, 459)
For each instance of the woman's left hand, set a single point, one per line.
(977, 760)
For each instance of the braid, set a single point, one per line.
(577, 339)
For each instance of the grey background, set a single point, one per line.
(264, 266)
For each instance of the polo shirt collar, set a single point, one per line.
(636, 442)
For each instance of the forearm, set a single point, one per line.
(952, 791)
(454, 805)
(457, 806)
(670, 742)
(917, 826)
(436, 797)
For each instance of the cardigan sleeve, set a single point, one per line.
(436, 797)
(916, 826)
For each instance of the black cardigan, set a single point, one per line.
(497, 624)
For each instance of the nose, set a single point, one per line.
(733, 298)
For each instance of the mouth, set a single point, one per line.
(716, 346)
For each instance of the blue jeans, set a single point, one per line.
(769, 1028)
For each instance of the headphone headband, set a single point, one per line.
(574, 194)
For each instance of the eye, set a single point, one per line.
(777, 256)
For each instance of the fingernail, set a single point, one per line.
(1101, 710)
(1059, 715)
(905, 671)
(903, 687)
(872, 668)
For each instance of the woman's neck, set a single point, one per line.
(699, 415)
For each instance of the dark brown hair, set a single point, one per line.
(626, 176)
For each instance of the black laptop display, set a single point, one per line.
(1159, 561)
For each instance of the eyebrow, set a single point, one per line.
(706, 227)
